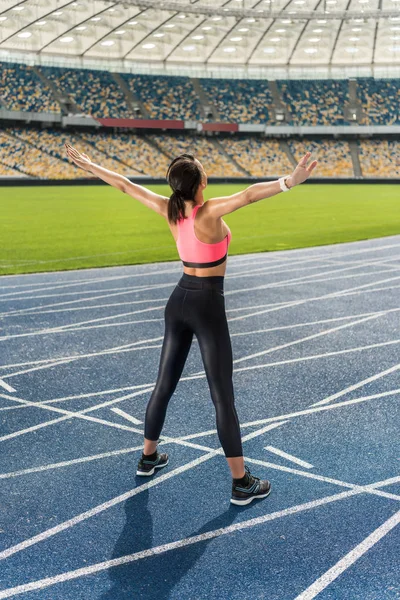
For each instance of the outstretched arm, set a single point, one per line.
(259, 191)
(148, 198)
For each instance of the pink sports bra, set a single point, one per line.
(195, 253)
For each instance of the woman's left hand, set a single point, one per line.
(301, 172)
(81, 160)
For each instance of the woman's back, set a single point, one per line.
(202, 241)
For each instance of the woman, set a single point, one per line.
(197, 305)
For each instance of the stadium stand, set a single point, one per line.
(165, 97)
(379, 158)
(319, 102)
(31, 160)
(22, 89)
(9, 172)
(239, 101)
(380, 100)
(135, 151)
(215, 162)
(334, 158)
(49, 144)
(94, 92)
(259, 157)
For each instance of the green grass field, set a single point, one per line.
(58, 228)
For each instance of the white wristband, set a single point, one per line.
(283, 185)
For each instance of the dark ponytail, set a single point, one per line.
(184, 177)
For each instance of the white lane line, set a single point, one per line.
(243, 525)
(311, 337)
(127, 416)
(68, 463)
(274, 307)
(338, 482)
(113, 502)
(58, 286)
(61, 361)
(290, 457)
(94, 457)
(248, 273)
(288, 282)
(309, 411)
(349, 559)
(67, 415)
(336, 294)
(214, 431)
(315, 356)
(357, 385)
(141, 289)
(229, 310)
(275, 266)
(7, 387)
(117, 349)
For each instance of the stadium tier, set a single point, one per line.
(380, 99)
(22, 89)
(379, 158)
(102, 94)
(93, 92)
(165, 97)
(258, 157)
(41, 153)
(334, 157)
(239, 101)
(319, 102)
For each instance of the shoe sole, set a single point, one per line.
(248, 500)
(147, 473)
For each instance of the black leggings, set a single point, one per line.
(197, 306)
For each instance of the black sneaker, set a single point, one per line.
(255, 488)
(148, 467)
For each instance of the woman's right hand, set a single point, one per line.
(81, 160)
(301, 172)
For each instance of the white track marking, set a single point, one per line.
(126, 416)
(368, 489)
(118, 349)
(309, 411)
(200, 376)
(39, 309)
(310, 337)
(357, 385)
(315, 356)
(290, 304)
(288, 282)
(247, 273)
(110, 503)
(276, 265)
(298, 255)
(68, 463)
(290, 457)
(56, 286)
(280, 306)
(7, 387)
(98, 567)
(209, 432)
(75, 326)
(349, 559)
(142, 289)
(228, 310)
(61, 361)
(68, 415)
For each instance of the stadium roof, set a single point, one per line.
(207, 32)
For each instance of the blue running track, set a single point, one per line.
(316, 344)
